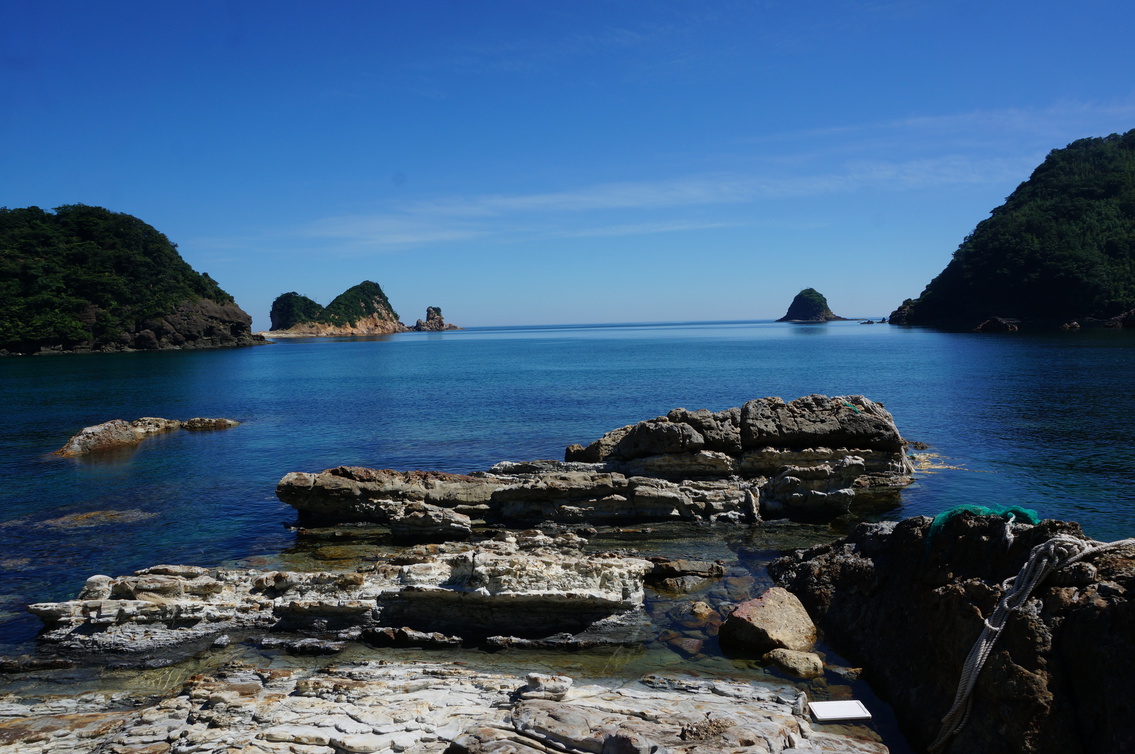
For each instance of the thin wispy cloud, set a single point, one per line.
(587, 211)
(1007, 124)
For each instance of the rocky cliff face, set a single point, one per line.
(909, 608)
(195, 324)
(372, 324)
(200, 323)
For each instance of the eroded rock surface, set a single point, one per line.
(909, 609)
(474, 592)
(425, 708)
(810, 458)
(118, 433)
(433, 322)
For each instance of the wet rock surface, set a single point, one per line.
(909, 608)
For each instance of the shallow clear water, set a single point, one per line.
(1037, 420)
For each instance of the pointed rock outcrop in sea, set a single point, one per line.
(809, 306)
(433, 322)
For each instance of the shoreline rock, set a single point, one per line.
(118, 433)
(378, 323)
(908, 608)
(508, 588)
(810, 459)
(393, 705)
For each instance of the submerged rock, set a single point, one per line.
(998, 324)
(909, 608)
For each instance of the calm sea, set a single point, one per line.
(1040, 420)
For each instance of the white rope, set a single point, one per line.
(1060, 551)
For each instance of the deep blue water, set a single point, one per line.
(1040, 420)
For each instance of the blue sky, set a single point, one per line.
(556, 162)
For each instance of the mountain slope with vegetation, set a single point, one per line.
(88, 279)
(1061, 247)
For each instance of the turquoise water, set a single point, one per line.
(1039, 420)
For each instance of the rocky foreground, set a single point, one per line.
(909, 603)
(425, 707)
(498, 561)
(308, 661)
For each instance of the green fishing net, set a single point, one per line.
(1014, 513)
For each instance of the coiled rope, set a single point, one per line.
(1060, 551)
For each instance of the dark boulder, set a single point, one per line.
(909, 608)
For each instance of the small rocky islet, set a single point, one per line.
(360, 310)
(517, 561)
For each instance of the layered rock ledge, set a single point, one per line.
(494, 592)
(426, 708)
(810, 458)
(908, 608)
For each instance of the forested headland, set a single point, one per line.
(86, 278)
(1061, 247)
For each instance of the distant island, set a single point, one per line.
(86, 279)
(809, 306)
(363, 309)
(1061, 249)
